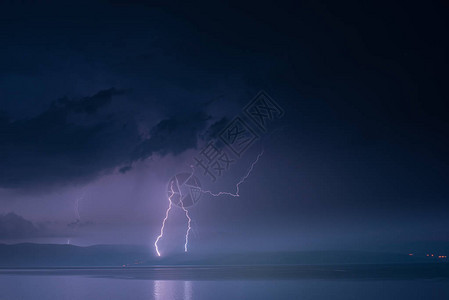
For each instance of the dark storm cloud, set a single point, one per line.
(125, 169)
(215, 128)
(69, 140)
(77, 140)
(172, 135)
(15, 226)
(89, 105)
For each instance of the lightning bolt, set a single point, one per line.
(186, 212)
(189, 227)
(237, 187)
(165, 219)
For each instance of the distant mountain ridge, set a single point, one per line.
(57, 255)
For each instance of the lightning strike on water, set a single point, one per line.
(165, 219)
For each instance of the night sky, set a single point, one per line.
(102, 103)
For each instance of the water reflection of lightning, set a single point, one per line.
(237, 187)
(165, 219)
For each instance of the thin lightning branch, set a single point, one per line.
(187, 215)
(165, 219)
(236, 194)
(188, 226)
(77, 212)
(77, 206)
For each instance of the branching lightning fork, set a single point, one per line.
(236, 194)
